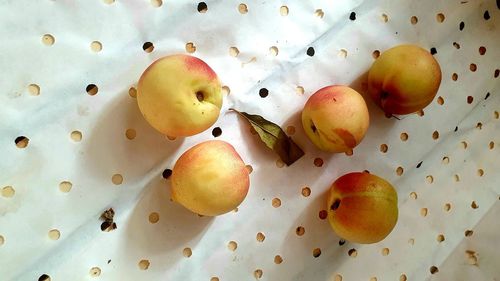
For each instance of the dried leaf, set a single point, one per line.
(274, 137)
(106, 225)
(108, 215)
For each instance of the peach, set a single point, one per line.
(179, 95)
(362, 208)
(210, 178)
(335, 118)
(404, 79)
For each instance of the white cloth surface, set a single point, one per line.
(63, 70)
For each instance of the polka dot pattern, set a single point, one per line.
(8, 192)
(96, 46)
(232, 246)
(95, 272)
(144, 264)
(76, 142)
(34, 89)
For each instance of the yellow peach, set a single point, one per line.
(179, 95)
(335, 118)
(210, 178)
(404, 79)
(362, 208)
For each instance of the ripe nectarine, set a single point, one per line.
(362, 207)
(210, 178)
(179, 95)
(335, 118)
(404, 79)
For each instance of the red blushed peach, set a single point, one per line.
(210, 178)
(179, 95)
(335, 118)
(404, 79)
(362, 208)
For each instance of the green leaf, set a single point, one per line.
(274, 137)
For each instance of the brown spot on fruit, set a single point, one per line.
(346, 137)
(313, 128)
(335, 205)
(200, 96)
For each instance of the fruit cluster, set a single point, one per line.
(180, 95)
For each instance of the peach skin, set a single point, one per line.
(179, 95)
(210, 178)
(404, 79)
(335, 118)
(362, 208)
